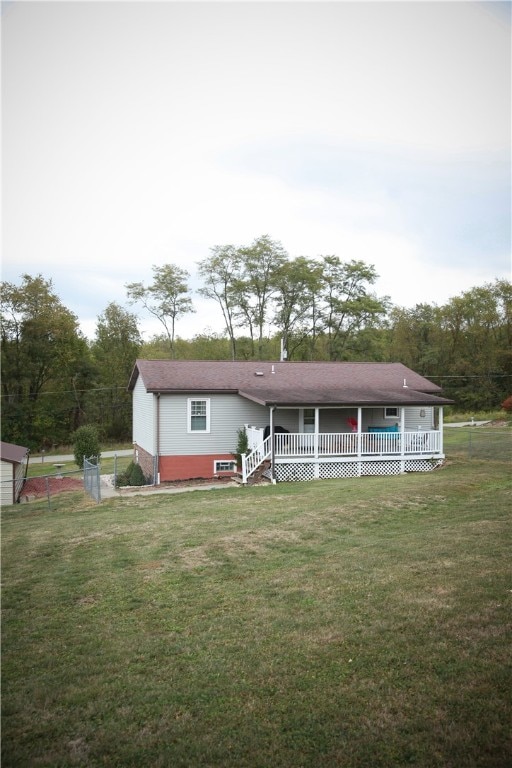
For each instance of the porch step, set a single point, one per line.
(257, 476)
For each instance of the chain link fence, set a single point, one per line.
(92, 480)
(494, 444)
(41, 486)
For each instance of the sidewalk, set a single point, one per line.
(51, 459)
(467, 423)
(108, 491)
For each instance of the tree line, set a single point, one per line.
(54, 380)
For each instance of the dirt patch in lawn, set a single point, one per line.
(36, 487)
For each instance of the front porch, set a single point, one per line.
(302, 456)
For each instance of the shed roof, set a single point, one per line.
(12, 453)
(291, 383)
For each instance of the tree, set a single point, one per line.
(416, 338)
(221, 272)
(464, 345)
(477, 329)
(262, 261)
(46, 364)
(347, 307)
(297, 283)
(86, 445)
(167, 298)
(115, 348)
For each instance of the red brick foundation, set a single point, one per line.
(191, 467)
(145, 460)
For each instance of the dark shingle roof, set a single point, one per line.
(13, 453)
(290, 383)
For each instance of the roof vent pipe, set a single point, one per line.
(405, 384)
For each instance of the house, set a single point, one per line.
(14, 463)
(304, 420)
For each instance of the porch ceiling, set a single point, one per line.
(346, 396)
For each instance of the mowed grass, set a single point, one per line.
(347, 623)
(38, 468)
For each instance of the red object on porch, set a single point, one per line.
(352, 423)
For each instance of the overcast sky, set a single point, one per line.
(144, 133)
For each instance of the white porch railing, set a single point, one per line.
(352, 444)
(309, 447)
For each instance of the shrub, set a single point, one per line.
(133, 475)
(242, 447)
(87, 444)
(507, 404)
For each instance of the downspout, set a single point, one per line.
(156, 473)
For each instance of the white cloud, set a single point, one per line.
(127, 128)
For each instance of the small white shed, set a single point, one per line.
(14, 461)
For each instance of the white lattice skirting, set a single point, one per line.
(296, 472)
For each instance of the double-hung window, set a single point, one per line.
(199, 415)
(391, 412)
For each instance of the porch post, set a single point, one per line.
(441, 429)
(316, 466)
(272, 446)
(359, 439)
(402, 439)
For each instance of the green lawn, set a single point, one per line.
(344, 623)
(38, 468)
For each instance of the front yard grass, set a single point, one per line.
(352, 623)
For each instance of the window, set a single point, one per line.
(224, 466)
(198, 415)
(309, 420)
(392, 413)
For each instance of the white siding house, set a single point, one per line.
(303, 420)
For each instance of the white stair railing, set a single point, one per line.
(255, 458)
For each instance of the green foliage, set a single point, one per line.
(133, 475)
(242, 447)
(46, 366)
(464, 346)
(54, 381)
(167, 298)
(86, 444)
(116, 347)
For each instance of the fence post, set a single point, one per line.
(98, 481)
(47, 483)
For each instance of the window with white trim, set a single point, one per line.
(198, 415)
(391, 412)
(223, 465)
